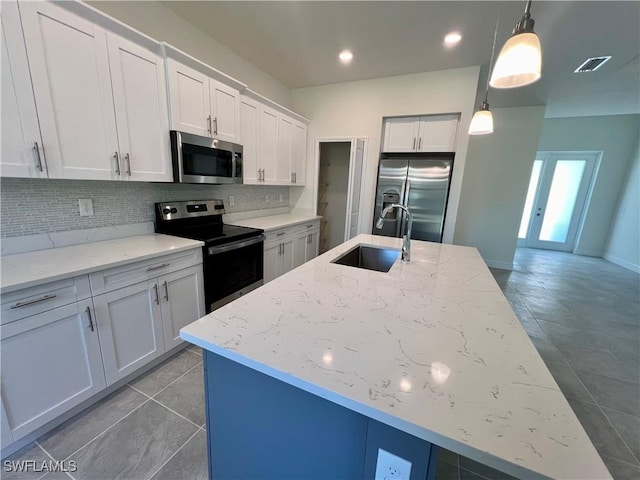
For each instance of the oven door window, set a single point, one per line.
(205, 161)
(227, 272)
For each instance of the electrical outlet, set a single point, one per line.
(232, 200)
(266, 199)
(391, 467)
(86, 207)
(280, 198)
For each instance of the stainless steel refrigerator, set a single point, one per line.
(420, 182)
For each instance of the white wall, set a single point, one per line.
(161, 23)
(356, 109)
(617, 137)
(495, 184)
(623, 246)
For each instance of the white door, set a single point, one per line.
(21, 152)
(299, 153)
(249, 138)
(401, 134)
(438, 133)
(355, 188)
(50, 363)
(268, 143)
(190, 108)
(71, 82)
(130, 326)
(142, 117)
(182, 302)
(271, 261)
(285, 136)
(555, 202)
(225, 111)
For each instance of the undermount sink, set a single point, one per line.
(369, 257)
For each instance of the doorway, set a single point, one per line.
(340, 174)
(559, 190)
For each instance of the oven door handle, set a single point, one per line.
(235, 245)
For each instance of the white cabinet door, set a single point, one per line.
(285, 136)
(130, 328)
(182, 302)
(225, 111)
(190, 108)
(271, 261)
(312, 246)
(21, 148)
(438, 133)
(50, 363)
(249, 134)
(268, 143)
(71, 82)
(287, 259)
(299, 153)
(401, 134)
(142, 118)
(300, 249)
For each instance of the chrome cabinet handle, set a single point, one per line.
(166, 291)
(414, 144)
(116, 155)
(128, 160)
(155, 288)
(419, 143)
(295, 177)
(38, 159)
(263, 174)
(291, 177)
(31, 302)
(280, 234)
(215, 130)
(158, 267)
(209, 124)
(310, 225)
(90, 319)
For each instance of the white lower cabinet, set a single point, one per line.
(51, 362)
(288, 248)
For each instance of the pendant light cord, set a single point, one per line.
(493, 50)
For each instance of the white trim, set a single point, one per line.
(623, 263)
(586, 252)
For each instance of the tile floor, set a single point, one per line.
(582, 314)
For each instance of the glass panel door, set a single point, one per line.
(557, 193)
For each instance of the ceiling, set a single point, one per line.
(297, 43)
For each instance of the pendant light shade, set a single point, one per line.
(482, 121)
(520, 60)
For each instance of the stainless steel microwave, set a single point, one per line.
(199, 159)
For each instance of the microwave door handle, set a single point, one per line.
(234, 162)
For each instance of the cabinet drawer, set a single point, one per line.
(31, 301)
(276, 236)
(125, 275)
(307, 227)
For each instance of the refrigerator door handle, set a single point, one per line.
(405, 201)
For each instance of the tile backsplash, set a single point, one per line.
(36, 206)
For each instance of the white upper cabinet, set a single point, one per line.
(71, 82)
(428, 133)
(202, 105)
(284, 173)
(140, 99)
(101, 99)
(299, 153)
(251, 172)
(21, 149)
(268, 144)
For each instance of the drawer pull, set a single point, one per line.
(157, 267)
(166, 291)
(31, 302)
(280, 234)
(90, 319)
(310, 225)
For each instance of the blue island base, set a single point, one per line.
(259, 427)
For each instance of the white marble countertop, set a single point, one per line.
(431, 348)
(274, 222)
(34, 268)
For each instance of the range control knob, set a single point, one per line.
(166, 211)
(174, 210)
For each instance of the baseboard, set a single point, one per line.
(588, 253)
(500, 265)
(623, 263)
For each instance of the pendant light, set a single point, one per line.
(482, 121)
(520, 60)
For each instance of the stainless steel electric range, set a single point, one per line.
(232, 255)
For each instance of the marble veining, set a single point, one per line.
(35, 268)
(274, 222)
(432, 348)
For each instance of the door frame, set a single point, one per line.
(577, 223)
(352, 141)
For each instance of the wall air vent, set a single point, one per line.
(592, 64)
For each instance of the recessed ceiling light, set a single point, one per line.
(452, 39)
(345, 56)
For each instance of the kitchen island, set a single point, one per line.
(331, 363)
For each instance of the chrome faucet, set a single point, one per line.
(406, 239)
